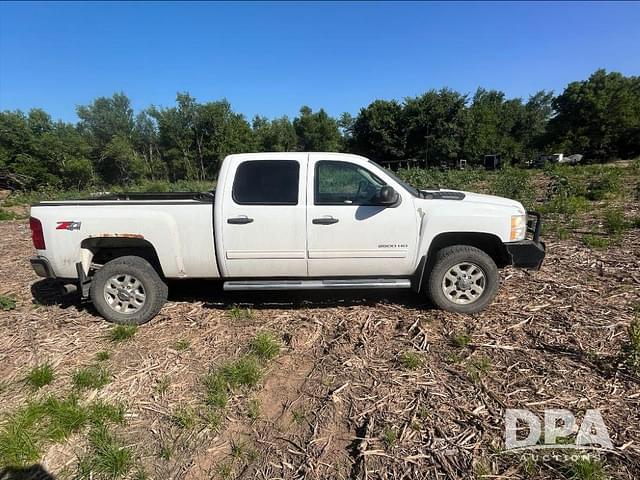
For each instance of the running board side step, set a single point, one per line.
(338, 284)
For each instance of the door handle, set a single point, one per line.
(324, 221)
(241, 220)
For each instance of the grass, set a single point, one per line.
(225, 471)
(614, 221)
(103, 356)
(265, 346)
(182, 345)
(184, 417)
(633, 347)
(25, 433)
(596, 241)
(119, 333)
(389, 437)
(586, 469)
(40, 376)
(166, 452)
(478, 367)
(237, 313)
(93, 376)
(245, 371)
(298, 416)
(211, 417)
(460, 340)
(108, 458)
(7, 215)
(100, 412)
(253, 409)
(162, 384)
(7, 303)
(410, 360)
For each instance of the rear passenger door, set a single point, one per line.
(264, 217)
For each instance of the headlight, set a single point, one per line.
(518, 227)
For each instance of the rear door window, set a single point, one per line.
(267, 182)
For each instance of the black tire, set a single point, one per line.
(154, 290)
(449, 257)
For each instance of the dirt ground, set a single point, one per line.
(338, 401)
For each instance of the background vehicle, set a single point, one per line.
(284, 221)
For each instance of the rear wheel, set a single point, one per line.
(463, 279)
(128, 290)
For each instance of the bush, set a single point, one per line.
(607, 184)
(614, 221)
(513, 183)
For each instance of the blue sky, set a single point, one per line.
(271, 58)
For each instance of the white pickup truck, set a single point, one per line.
(286, 221)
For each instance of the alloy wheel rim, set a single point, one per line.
(125, 294)
(464, 283)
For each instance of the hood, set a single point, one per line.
(482, 199)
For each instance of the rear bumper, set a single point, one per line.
(42, 267)
(526, 254)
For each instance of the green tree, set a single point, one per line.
(599, 117)
(377, 131)
(317, 132)
(434, 125)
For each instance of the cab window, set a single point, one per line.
(266, 182)
(344, 183)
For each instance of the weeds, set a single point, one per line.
(93, 376)
(298, 416)
(108, 458)
(410, 360)
(614, 221)
(389, 437)
(237, 313)
(244, 371)
(253, 409)
(461, 340)
(633, 347)
(120, 333)
(100, 412)
(513, 183)
(184, 417)
(478, 367)
(7, 303)
(29, 429)
(265, 346)
(7, 215)
(607, 184)
(182, 345)
(103, 356)
(586, 469)
(40, 376)
(595, 241)
(162, 384)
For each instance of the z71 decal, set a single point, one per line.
(68, 225)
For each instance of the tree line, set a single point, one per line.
(110, 144)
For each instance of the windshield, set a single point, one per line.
(412, 190)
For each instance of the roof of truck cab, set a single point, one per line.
(293, 155)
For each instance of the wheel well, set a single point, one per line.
(105, 249)
(488, 243)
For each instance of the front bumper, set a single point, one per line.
(42, 267)
(528, 253)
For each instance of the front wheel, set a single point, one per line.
(128, 290)
(463, 279)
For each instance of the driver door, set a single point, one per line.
(348, 234)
